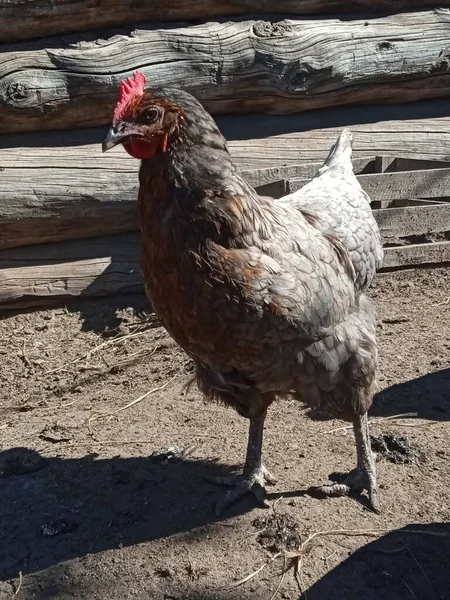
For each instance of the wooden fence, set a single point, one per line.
(68, 224)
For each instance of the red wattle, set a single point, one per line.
(140, 149)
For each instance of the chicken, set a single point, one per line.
(267, 296)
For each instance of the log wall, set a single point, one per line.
(60, 186)
(279, 67)
(68, 223)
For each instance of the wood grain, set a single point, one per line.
(22, 19)
(58, 185)
(109, 265)
(97, 267)
(280, 67)
(417, 254)
(56, 204)
(395, 223)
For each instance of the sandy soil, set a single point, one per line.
(103, 501)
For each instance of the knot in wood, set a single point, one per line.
(384, 46)
(268, 29)
(16, 92)
(303, 77)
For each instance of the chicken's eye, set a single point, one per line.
(151, 115)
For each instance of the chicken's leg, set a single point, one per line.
(254, 476)
(364, 476)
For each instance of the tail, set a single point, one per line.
(339, 160)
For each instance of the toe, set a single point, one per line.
(227, 481)
(268, 477)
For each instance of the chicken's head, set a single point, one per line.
(145, 122)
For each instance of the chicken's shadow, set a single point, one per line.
(428, 396)
(399, 566)
(55, 509)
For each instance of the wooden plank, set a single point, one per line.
(418, 131)
(109, 265)
(396, 223)
(50, 205)
(267, 175)
(22, 19)
(97, 267)
(45, 178)
(243, 66)
(432, 183)
(60, 204)
(417, 254)
(412, 164)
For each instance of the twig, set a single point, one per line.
(152, 391)
(101, 533)
(102, 443)
(373, 421)
(136, 400)
(446, 301)
(26, 360)
(298, 555)
(281, 578)
(20, 583)
(248, 577)
(327, 558)
(89, 353)
(410, 590)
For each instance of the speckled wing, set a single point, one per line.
(299, 280)
(337, 203)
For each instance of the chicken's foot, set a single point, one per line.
(364, 476)
(254, 476)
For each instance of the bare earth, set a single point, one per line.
(87, 513)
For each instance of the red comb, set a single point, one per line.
(129, 89)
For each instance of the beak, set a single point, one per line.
(117, 134)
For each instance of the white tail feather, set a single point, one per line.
(339, 159)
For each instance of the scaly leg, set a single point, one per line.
(254, 476)
(364, 476)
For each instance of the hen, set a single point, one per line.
(267, 296)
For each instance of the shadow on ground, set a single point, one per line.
(56, 509)
(398, 566)
(428, 396)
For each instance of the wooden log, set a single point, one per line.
(97, 267)
(59, 185)
(22, 19)
(110, 265)
(278, 67)
(51, 204)
(61, 204)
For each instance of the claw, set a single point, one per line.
(254, 483)
(356, 481)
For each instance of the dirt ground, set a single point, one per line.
(102, 499)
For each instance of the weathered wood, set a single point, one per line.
(59, 184)
(97, 267)
(110, 265)
(279, 67)
(61, 204)
(417, 254)
(51, 204)
(395, 223)
(416, 131)
(22, 19)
